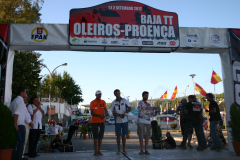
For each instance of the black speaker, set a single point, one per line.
(154, 125)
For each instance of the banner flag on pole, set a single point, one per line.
(164, 95)
(175, 92)
(200, 89)
(215, 78)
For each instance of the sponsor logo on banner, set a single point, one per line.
(172, 43)
(215, 39)
(147, 42)
(125, 22)
(75, 40)
(162, 43)
(192, 38)
(125, 44)
(104, 41)
(114, 42)
(39, 34)
(90, 41)
(135, 42)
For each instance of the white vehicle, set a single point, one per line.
(165, 121)
(111, 121)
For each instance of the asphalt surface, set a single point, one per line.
(109, 142)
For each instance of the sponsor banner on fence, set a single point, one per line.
(123, 23)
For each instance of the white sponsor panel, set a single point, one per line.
(203, 37)
(50, 36)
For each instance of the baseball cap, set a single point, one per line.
(98, 92)
(184, 100)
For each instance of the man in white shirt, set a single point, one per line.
(36, 110)
(18, 110)
(54, 129)
(28, 124)
(120, 107)
(144, 123)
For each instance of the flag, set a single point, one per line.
(164, 95)
(215, 78)
(175, 92)
(200, 89)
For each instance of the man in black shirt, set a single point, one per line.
(57, 145)
(184, 119)
(194, 112)
(215, 117)
(169, 142)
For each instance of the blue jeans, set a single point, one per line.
(19, 143)
(59, 149)
(200, 134)
(213, 128)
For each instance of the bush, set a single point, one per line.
(129, 131)
(84, 130)
(234, 123)
(174, 125)
(7, 133)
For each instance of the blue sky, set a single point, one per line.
(134, 73)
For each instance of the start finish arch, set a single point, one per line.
(152, 31)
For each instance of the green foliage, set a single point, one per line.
(174, 125)
(86, 111)
(234, 123)
(84, 130)
(26, 72)
(58, 82)
(20, 11)
(7, 133)
(129, 131)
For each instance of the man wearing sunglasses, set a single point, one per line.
(120, 107)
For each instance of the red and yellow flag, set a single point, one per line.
(175, 92)
(164, 95)
(200, 89)
(215, 78)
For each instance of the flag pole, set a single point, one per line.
(215, 93)
(167, 115)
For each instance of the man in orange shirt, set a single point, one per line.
(98, 112)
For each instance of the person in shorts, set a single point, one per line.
(144, 123)
(120, 106)
(98, 111)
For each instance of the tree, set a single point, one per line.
(27, 65)
(58, 82)
(86, 111)
(20, 11)
(26, 72)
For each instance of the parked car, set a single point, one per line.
(111, 121)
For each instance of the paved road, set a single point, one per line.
(109, 141)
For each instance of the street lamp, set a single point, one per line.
(185, 90)
(193, 75)
(59, 104)
(50, 75)
(72, 98)
(128, 98)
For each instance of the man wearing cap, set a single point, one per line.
(120, 106)
(98, 112)
(183, 120)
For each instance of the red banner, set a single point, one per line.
(123, 23)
